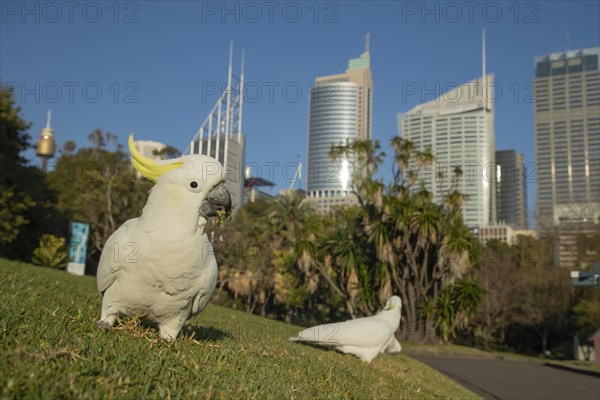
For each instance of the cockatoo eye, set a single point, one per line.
(193, 184)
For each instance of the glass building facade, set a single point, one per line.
(567, 136)
(340, 111)
(333, 114)
(511, 189)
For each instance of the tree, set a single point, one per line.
(69, 148)
(167, 152)
(271, 262)
(13, 136)
(13, 140)
(26, 203)
(13, 214)
(546, 306)
(526, 296)
(499, 275)
(413, 246)
(586, 301)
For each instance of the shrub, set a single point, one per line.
(52, 252)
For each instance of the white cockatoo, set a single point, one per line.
(161, 264)
(363, 337)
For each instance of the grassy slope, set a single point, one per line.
(51, 348)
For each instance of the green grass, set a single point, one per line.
(51, 348)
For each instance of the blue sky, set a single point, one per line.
(145, 66)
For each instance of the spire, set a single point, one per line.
(484, 84)
(364, 61)
(48, 120)
(483, 54)
(241, 98)
(230, 56)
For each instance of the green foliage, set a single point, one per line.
(52, 349)
(13, 136)
(528, 302)
(270, 263)
(27, 205)
(14, 203)
(167, 152)
(13, 214)
(586, 315)
(454, 307)
(52, 252)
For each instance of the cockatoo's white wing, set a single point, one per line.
(111, 260)
(393, 346)
(362, 332)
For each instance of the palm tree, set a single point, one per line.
(413, 241)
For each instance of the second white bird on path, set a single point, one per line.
(364, 337)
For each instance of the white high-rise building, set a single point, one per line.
(458, 128)
(340, 111)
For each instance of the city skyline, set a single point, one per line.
(160, 84)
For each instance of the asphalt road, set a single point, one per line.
(501, 379)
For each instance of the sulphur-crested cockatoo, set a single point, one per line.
(363, 337)
(161, 265)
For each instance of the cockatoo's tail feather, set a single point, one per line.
(149, 168)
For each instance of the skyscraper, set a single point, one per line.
(340, 110)
(511, 189)
(458, 128)
(567, 136)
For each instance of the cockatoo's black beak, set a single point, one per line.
(217, 201)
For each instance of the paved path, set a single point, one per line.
(501, 379)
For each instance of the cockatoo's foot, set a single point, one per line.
(106, 321)
(103, 325)
(170, 330)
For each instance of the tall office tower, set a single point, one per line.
(511, 189)
(458, 128)
(220, 135)
(340, 110)
(567, 147)
(567, 136)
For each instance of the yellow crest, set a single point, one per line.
(148, 167)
